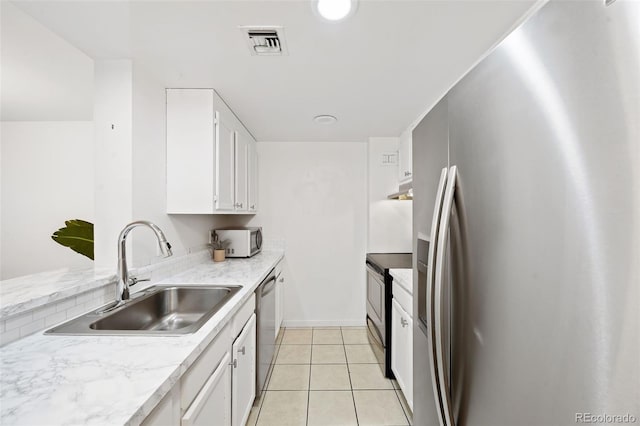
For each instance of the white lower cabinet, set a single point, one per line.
(244, 373)
(219, 387)
(402, 350)
(280, 280)
(167, 412)
(212, 406)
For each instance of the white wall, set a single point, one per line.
(390, 221)
(184, 232)
(43, 77)
(46, 144)
(113, 156)
(47, 178)
(314, 196)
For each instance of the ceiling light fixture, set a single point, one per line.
(325, 119)
(335, 10)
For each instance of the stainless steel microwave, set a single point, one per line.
(245, 242)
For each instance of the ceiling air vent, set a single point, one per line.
(265, 41)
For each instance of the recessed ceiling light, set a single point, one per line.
(335, 10)
(325, 119)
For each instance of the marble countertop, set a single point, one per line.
(115, 380)
(404, 277)
(21, 294)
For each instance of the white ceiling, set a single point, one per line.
(377, 71)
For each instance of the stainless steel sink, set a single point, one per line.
(158, 310)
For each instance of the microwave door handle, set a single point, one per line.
(430, 272)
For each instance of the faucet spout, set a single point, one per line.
(122, 287)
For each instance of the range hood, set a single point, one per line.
(405, 192)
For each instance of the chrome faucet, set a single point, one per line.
(124, 281)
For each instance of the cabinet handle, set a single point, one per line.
(281, 280)
(404, 322)
(241, 351)
(407, 173)
(238, 205)
(234, 363)
(253, 206)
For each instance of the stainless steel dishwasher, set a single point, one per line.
(266, 323)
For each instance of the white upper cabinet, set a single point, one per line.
(405, 169)
(225, 174)
(252, 187)
(190, 151)
(241, 170)
(208, 155)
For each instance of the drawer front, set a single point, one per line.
(243, 315)
(196, 376)
(403, 298)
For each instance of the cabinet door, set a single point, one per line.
(244, 373)
(278, 306)
(280, 302)
(402, 350)
(190, 151)
(252, 177)
(241, 163)
(225, 145)
(212, 406)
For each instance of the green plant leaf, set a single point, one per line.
(77, 235)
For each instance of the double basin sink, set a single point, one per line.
(159, 310)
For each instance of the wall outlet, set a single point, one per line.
(389, 158)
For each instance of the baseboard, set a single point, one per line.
(324, 323)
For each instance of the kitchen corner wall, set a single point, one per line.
(46, 144)
(390, 221)
(313, 195)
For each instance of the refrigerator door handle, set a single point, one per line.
(439, 314)
(431, 324)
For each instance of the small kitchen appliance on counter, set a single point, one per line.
(244, 242)
(379, 294)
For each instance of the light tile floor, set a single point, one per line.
(328, 377)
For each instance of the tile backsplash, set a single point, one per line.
(67, 305)
(17, 326)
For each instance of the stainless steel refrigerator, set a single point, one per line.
(527, 229)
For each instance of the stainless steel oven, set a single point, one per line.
(379, 294)
(376, 311)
